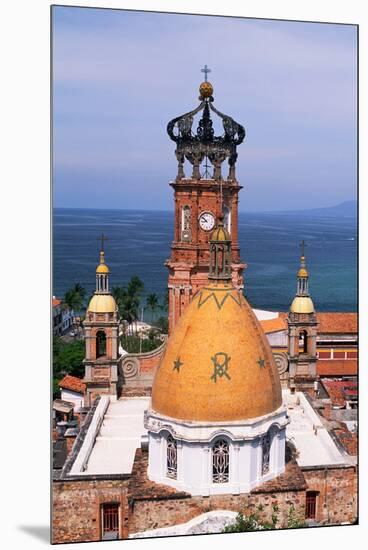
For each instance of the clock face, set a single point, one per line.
(207, 221)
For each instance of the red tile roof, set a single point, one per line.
(337, 389)
(72, 383)
(273, 325)
(56, 302)
(328, 322)
(337, 367)
(331, 322)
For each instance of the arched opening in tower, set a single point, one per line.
(100, 344)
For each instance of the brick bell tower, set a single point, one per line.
(201, 198)
(302, 333)
(101, 328)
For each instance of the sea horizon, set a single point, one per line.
(139, 243)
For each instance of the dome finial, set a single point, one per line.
(206, 88)
(303, 272)
(102, 270)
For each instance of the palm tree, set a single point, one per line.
(134, 290)
(152, 304)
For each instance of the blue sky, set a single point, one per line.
(120, 76)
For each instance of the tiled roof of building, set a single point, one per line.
(348, 439)
(72, 383)
(56, 302)
(328, 322)
(338, 390)
(337, 367)
(273, 325)
(332, 322)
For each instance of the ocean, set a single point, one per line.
(139, 243)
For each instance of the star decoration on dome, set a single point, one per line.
(261, 363)
(177, 364)
(221, 364)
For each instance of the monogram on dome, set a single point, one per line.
(202, 144)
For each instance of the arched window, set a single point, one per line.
(220, 461)
(171, 457)
(303, 341)
(100, 344)
(185, 223)
(266, 451)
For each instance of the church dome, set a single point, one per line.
(302, 304)
(218, 365)
(102, 268)
(220, 234)
(102, 303)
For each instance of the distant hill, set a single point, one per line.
(347, 209)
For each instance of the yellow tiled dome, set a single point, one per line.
(220, 233)
(302, 304)
(302, 272)
(102, 268)
(102, 303)
(218, 365)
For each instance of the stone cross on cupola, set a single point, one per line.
(102, 270)
(303, 275)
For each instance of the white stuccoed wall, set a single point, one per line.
(194, 453)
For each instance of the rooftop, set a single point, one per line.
(308, 433)
(118, 435)
(72, 383)
(328, 322)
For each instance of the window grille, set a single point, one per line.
(266, 450)
(220, 462)
(110, 521)
(171, 456)
(310, 505)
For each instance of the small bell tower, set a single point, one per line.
(101, 328)
(201, 197)
(302, 332)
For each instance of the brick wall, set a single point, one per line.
(337, 493)
(152, 514)
(77, 509)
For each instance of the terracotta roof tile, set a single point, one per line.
(328, 322)
(273, 325)
(72, 383)
(56, 302)
(332, 322)
(337, 367)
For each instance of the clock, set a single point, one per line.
(206, 221)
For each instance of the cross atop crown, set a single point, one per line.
(205, 70)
